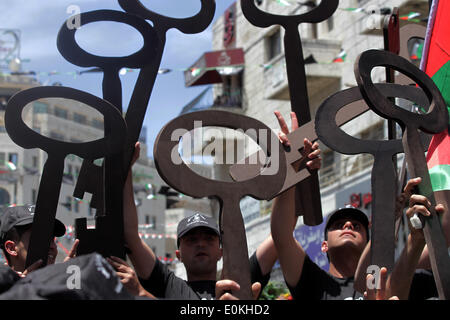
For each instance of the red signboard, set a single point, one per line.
(359, 200)
(229, 34)
(204, 71)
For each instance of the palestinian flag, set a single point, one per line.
(410, 17)
(436, 63)
(341, 57)
(11, 166)
(417, 51)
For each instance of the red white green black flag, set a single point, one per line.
(436, 63)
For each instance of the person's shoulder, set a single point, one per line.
(311, 266)
(8, 277)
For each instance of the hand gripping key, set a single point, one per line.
(50, 185)
(176, 173)
(434, 121)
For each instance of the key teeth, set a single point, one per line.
(90, 181)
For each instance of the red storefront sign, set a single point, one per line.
(205, 70)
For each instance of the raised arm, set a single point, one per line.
(443, 199)
(141, 256)
(414, 255)
(283, 220)
(266, 254)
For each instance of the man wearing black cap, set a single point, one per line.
(346, 236)
(199, 249)
(15, 232)
(344, 219)
(200, 260)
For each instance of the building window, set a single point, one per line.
(56, 136)
(4, 102)
(76, 206)
(35, 161)
(330, 23)
(13, 158)
(274, 45)
(68, 203)
(5, 199)
(60, 113)
(33, 196)
(2, 159)
(40, 107)
(79, 118)
(96, 123)
(328, 172)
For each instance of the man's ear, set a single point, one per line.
(10, 247)
(324, 247)
(177, 254)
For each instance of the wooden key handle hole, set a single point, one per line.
(187, 181)
(338, 105)
(73, 53)
(27, 138)
(263, 19)
(191, 25)
(434, 121)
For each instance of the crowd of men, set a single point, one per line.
(346, 244)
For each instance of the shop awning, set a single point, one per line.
(211, 65)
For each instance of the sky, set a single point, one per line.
(40, 20)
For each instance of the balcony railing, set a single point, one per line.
(229, 99)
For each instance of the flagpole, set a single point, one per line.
(429, 33)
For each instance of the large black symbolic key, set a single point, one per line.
(177, 174)
(384, 176)
(147, 76)
(112, 91)
(311, 208)
(111, 66)
(434, 121)
(50, 185)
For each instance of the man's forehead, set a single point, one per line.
(346, 218)
(199, 231)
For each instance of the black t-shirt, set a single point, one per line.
(8, 278)
(423, 286)
(164, 284)
(317, 284)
